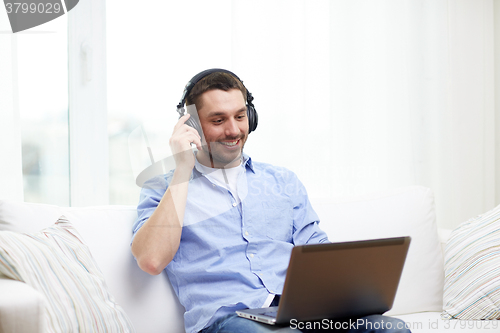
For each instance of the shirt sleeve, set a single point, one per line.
(306, 228)
(151, 195)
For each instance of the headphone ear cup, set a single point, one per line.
(196, 125)
(253, 118)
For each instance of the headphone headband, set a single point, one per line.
(197, 78)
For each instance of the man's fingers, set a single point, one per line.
(183, 135)
(183, 140)
(192, 131)
(197, 141)
(182, 124)
(182, 120)
(194, 137)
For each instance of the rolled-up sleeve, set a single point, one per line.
(306, 221)
(151, 195)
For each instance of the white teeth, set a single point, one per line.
(232, 143)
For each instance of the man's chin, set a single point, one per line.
(224, 160)
(215, 156)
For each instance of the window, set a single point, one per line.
(42, 81)
(146, 73)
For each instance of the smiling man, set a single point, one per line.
(221, 225)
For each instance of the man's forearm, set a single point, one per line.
(157, 241)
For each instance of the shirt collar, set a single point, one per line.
(247, 162)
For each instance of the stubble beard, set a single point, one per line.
(218, 159)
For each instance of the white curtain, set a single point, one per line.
(11, 181)
(355, 96)
(361, 96)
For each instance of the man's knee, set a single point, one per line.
(234, 324)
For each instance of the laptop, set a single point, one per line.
(338, 281)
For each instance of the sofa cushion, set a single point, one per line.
(407, 211)
(472, 269)
(57, 263)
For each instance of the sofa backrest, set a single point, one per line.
(407, 211)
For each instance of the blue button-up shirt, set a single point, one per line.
(232, 256)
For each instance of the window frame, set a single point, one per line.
(88, 133)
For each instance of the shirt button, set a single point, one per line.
(246, 233)
(251, 255)
(234, 204)
(213, 185)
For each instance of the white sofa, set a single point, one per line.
(151, 303)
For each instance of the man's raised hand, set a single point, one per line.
(180, 144)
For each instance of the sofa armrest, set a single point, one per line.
(21, 307)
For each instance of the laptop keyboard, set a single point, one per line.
(270, 313)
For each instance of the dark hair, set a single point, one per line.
(217, 80)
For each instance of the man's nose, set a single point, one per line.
(232, 128)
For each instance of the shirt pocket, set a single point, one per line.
(278, 221)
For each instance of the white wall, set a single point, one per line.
(361, 96)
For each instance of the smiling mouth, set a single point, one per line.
(229, 143)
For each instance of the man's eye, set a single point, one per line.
(218, 121)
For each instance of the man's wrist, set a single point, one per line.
(181, 175)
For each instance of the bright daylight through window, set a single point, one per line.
(42, 82)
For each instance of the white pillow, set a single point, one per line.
(57, 263)
(407, 211)
(472, 269)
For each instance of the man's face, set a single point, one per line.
(223, 117)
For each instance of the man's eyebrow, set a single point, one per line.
(220, 113)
